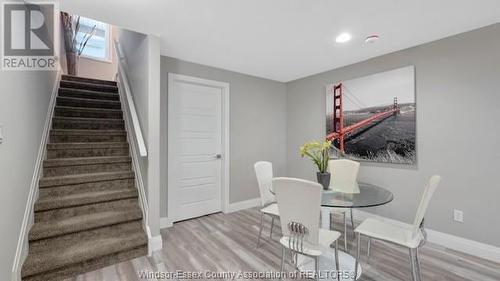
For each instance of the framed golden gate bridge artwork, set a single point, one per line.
(373, 118)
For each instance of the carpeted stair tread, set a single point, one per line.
(123, 205)
(108, 185)
(85, 161)
(85, 145)
(47, 245)
(68, 272)
(88, 86)
(86, 132)
(46, 229)
(50, 254)
(77, 199)
(68, 118)
(87, 80)
(86, 165)
(79, 136)
(86, 149)
(92, 151)
(84, 178)
(87, 103)
(88, 94)
(68, 111)
(86, 123)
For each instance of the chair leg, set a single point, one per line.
(282, 267)
(260, 230)
(369, 247)
(352, 220)
(358, 246)
(272, 226)
(419, 268)
(352, 223)
(316, 266)
(412, 261)
(332, 221)
(337, 266)
(345, 232)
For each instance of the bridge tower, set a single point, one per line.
(396, 105)
(338, 115)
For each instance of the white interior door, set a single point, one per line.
(195, 147)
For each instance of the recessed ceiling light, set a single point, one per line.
(343, 37)
(371, 39)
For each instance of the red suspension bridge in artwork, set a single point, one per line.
(339, 131)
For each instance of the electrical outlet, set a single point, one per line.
(458, 215)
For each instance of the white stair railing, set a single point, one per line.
(129, 101)
(134, 131)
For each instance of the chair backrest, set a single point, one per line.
(344, 175)
(424, 202)
(264, 173)
(299, 201)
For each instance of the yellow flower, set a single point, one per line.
(302, 150)
(318, 152)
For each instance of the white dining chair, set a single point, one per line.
(264, 173)
(299, 202)
(411, 237)
(344, 175)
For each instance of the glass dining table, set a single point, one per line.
(369, 195)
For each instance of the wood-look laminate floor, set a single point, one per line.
(227, 243)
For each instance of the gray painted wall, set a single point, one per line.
(24, 101)
(458, 94)
(257, 125)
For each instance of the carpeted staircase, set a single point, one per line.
(87, 215)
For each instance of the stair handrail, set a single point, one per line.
(129, 101)
(134, 132)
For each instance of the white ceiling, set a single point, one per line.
(288, 39)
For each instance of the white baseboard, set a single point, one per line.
(28, 219)
(165, 223)
(242, 205)
(155, 243)
(449, 241)
(460, 244)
